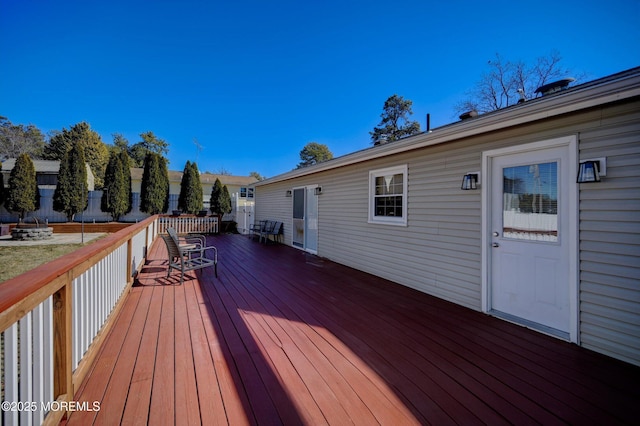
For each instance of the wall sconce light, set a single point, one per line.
(592, 170)
(318, 190)
(470, 181)
(288, 193)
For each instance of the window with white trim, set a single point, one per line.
(388, 195)
(246, 192)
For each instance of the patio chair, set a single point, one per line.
(266, 230)
(273, 228)
(188, 253)
(255, 229)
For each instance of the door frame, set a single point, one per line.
(571, 142)
(305, 247)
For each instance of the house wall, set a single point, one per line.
(439, 251)
(610, 240)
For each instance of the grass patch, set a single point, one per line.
(17, 260)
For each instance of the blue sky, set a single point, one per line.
(255, 81)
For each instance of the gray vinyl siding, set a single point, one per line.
(610, 241)
(439, 252)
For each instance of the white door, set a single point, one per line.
(305, 218)
(531, 237)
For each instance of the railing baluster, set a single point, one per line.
(26, 362)
(11, 369)
(39, 353)
(47, 358)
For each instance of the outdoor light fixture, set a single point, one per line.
(592, 170)
(288, 193)
(318, 190)
(470, 181)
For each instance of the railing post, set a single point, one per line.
(130, 260)
(62, 343)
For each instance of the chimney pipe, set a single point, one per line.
(428, 123)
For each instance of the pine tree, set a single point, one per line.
(116, 196)
(71, 194)
(154, 192)
(395, 123)
(220, 202)
(225, 202)
(22, 195)
(190, 198)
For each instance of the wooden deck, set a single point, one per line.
(284, 337)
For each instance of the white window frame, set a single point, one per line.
(388, 220)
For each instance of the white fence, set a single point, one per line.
(242, 210)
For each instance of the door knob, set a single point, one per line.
(496, 234)
(495, 245)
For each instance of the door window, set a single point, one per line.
(530, 202)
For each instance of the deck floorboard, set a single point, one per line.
(285, 337)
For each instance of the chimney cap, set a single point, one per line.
(555, 86)
(469, 114)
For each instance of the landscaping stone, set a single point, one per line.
(23, 234)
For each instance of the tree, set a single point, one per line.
(71, 194)
(16, 139)
(257, 175)
(95, 151)
(154, 191)
(395, 122)
(22, 195)
(314, 153)
(220, 202)
(149, 143)
(506, 83)
(190, 198)
(116, 195)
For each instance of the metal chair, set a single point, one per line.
(188, 253)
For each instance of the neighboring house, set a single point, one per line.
(46, 173)
(529, 245)
(239, 188)
(47, 177)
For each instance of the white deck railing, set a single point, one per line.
(54, 319)
(189, 224)
(28, 342)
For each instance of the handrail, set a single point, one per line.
(39, 314)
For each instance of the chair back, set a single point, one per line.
(269, 225)
(172, 246)
(173, 234)
(277, 227)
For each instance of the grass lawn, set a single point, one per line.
(16, 260)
